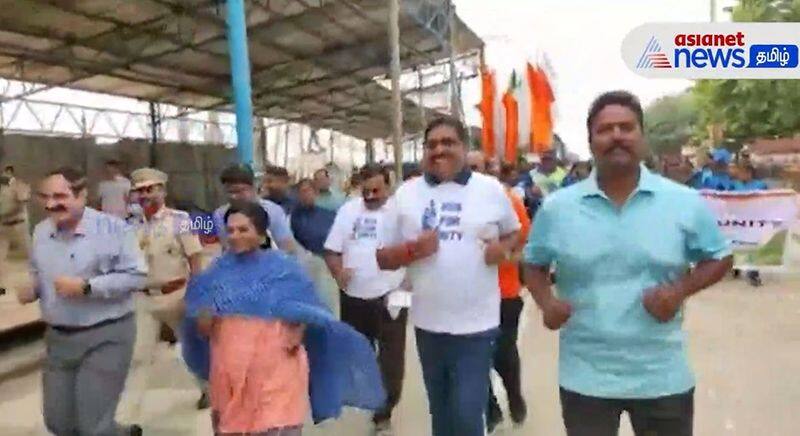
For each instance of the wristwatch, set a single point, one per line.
(87, 289)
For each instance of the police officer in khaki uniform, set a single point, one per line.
(173, 252)
(14, 197)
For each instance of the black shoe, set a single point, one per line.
(203, 402)
(518, 410)
(755, 279)
(2, 291)
(135, 430)
(494, 416)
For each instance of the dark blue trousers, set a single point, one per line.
(455, 369)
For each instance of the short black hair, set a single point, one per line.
(304, 181)
(371, 170)
(323, 171)
(506, 169)
(619, 98)
(76, 178)
(274, 170)
(258, 216)
(414, 172)
(9, 168)
(114, 162)
(237, 174)
(455, 123)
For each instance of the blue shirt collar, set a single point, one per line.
(648, 183)
(462, 177)
(88, 218)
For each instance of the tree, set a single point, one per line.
(669, 122)
(748, 109)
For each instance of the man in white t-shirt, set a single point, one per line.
(451, 228)
(350, 255)
(113, 192)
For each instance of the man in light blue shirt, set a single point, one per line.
(239, 183)
(328, 197)
(86, 265)
(623, 243)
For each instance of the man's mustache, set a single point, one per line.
(618, 146)
(56, 209)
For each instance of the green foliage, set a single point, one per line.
(750, 109)
(669, 123)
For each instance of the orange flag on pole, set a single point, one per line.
(511, 107)
(487, 109)
(541, 115)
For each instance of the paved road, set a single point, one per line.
(745, 346)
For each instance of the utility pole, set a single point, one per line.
(713, 6)
(397, 103)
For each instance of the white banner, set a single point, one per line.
(714, 50)
(756, 223)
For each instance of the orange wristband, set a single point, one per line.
(409, 252)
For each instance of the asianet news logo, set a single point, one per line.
(691, 51)
(702, 51)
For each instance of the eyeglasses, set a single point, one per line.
(445, 142)
(147, 189)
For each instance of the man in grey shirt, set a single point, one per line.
(85, 266)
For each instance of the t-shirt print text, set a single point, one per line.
(447, 220)
(365, 228)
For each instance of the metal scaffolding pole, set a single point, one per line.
(455, 95)
(397, 109)
(263, 143)
(370, 151)
(154, 121)
(240, 79)
(286, 146)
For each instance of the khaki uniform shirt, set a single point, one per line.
(13, 194)
(168, 242)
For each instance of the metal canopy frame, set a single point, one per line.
(313, 61)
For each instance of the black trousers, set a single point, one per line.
(388, 336)
(506, 354)
(672, 415)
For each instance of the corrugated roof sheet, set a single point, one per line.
(312, 61)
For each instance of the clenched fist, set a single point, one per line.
(663, 302)
(556, 313)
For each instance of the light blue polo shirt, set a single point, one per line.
(605, 259)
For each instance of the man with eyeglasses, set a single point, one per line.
(86, 265)
(350, 255)
(451, 228)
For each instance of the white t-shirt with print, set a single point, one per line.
(454, 290)
(356, 234)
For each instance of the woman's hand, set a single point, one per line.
(294, 336)
(205, 324)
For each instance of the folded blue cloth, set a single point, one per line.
(271, 285)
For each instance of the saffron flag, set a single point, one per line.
(541, 116)
(488, 111)
(511, 110)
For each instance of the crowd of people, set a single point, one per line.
(306, 308)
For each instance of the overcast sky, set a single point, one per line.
(583, 40)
